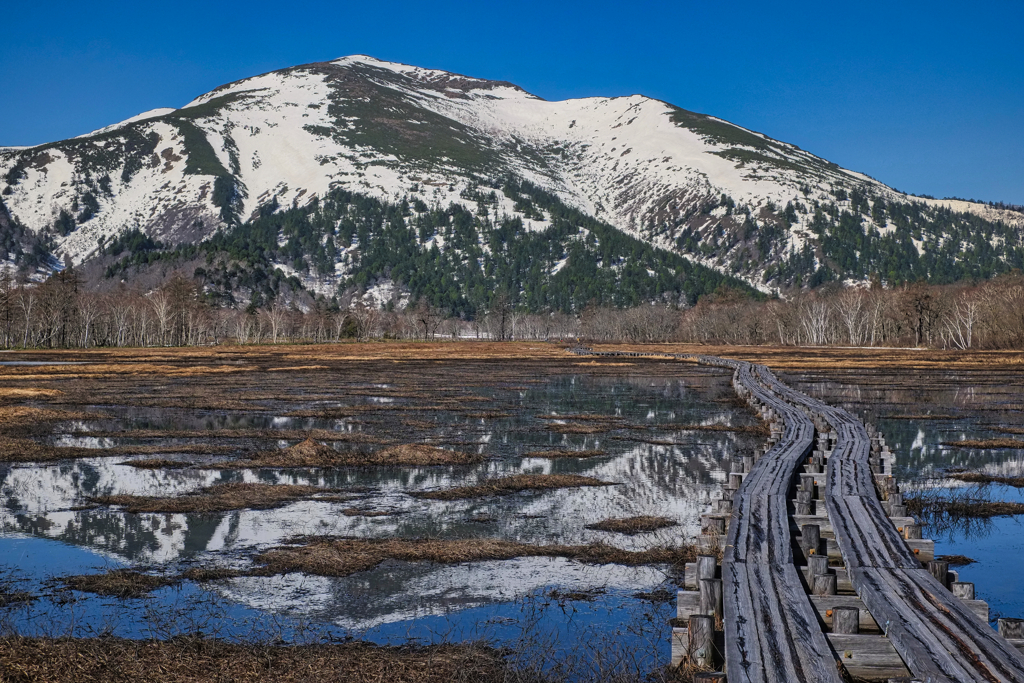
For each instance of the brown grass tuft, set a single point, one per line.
(979, 478)
(564, 453)
(11, 415)
(939, 509)
(918, 416)
(758, 429)
(203, 574)
(360, 512)
(157, 464)
(633, 525)
(519, 482)
(27, 450)
(956, 560)
(119, 583)
(8, 598)
(985, 443)
(580, 428)
(191, 660)
(342, 557)
(310, 453)
(218, 498)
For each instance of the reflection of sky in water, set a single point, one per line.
(400, 598)
(615, 622)
(970, 405)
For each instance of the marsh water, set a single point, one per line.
(923, 414)
(656, 468)
(550, 607)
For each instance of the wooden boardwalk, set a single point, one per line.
(774, 629)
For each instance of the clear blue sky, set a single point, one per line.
(925, 96)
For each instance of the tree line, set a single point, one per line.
(60, 313)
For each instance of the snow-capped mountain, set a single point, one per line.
(719, 194)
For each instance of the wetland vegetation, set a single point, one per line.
(449, 493)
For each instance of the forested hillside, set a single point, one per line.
(455, 259)
(433, 149)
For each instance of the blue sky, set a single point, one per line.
(927, 97)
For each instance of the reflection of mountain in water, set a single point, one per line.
(674, 481)
(399, 591)
(976, 403)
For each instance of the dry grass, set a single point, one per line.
(582, 418)
(508, 485)
(581, 428)
(27, 450)
(564, 453)
(758, 429)
(11, 415)
(917, 416)
(979, 478)
(310, 453)
(575, 596)
(1008, 430)
(361, 512)
(262, 434)
(218, 498)
(191, 660)
(343, 557)
(157, 464)
(985, 443)
(956, 560)
(27, 392)
(942, 509)
(119, 583)
(633, 525)
(203, 574)
(8, 598)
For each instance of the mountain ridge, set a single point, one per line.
(721, 195)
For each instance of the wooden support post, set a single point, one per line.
(912, 531)
(845, 620)
(709, 677)
(736, 466)
(810, 539)
(807, 483)
(707, 567)
(712, 525)
(804, 496)
(803, 508)
(940, 570)
(816, 566)
(735, 480)
(748, 463)
(962, 589)
(898, 511)
(702, 640)
(711, 600)
(825, 584)
(1011, 629)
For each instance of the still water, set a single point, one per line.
(920, 413)
(553, 604)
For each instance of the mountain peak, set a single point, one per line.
(693, 184)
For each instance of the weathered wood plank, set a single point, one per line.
(867, 656)
(935, 633)
(826, 603)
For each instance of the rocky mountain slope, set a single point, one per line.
(760, 210)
